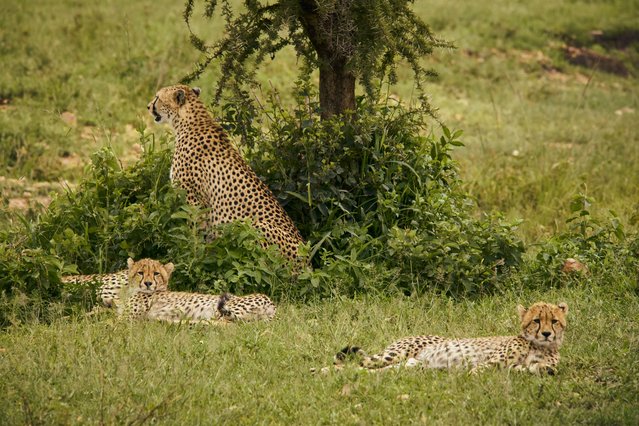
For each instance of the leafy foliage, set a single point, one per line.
(601, 245)
(378, 198)
(370, 36)
(118, 213)
(371, 194)
(374, 189)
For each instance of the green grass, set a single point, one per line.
(508, 86)
(95, 370)
(537, 131)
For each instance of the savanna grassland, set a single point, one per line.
(547, 96)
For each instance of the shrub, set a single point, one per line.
(378, 198)
(601, 244)
(117, 213)
(376, 188)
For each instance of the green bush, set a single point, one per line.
(601, 244)
(117, 213)
(376, 188)
(378, 199)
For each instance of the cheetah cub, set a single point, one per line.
(147, 296)
(535, 349)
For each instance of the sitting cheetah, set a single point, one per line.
(214, 174)
(535, 349)
(109, 290)
(147, 296)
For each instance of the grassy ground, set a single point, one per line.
(538, 129)
(84, 370)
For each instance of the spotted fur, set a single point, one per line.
(245, 308)
(535, 349)
(108, 293)
(214, 174)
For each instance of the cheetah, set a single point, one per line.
(214, 174)
(110, 285)
(147, 297)
(535, 349)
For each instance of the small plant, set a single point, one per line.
(599, 244)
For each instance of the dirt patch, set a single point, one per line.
(24, 195)
(90, 133)
(588, 58)
(612, 51)
(71, 160)
(69, 118)
(616, 39)
(5, 103)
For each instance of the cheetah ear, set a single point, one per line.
(197, 91)
(180, 97)
(563, 306)
(130, 262)
(169, 268)
(522, 311)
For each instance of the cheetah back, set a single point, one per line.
(251, 307)
(110, 286)
(214, 174)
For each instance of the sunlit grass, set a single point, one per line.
(96, 370)
(537, 131)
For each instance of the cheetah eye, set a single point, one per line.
(140, 273)
(156, 273)
(554, 321)
(537, 320)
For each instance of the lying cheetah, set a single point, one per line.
(213, 172)
(147, 296)
(535, 349)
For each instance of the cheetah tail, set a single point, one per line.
(221, 304)
(341, 356)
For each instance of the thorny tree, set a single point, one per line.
(348, 40)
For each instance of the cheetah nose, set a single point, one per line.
(148, 284)
(546, 334)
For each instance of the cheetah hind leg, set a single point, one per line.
(381, 361)
(347, 353)
(98, 310)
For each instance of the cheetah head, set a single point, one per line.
(168, 101)
(148, 275)
(543, 323)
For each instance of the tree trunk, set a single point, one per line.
(337, 82)
(336, 88)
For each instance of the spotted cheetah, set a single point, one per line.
(147, 296)
(109, 290)
(214, 174)
(535, 349)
